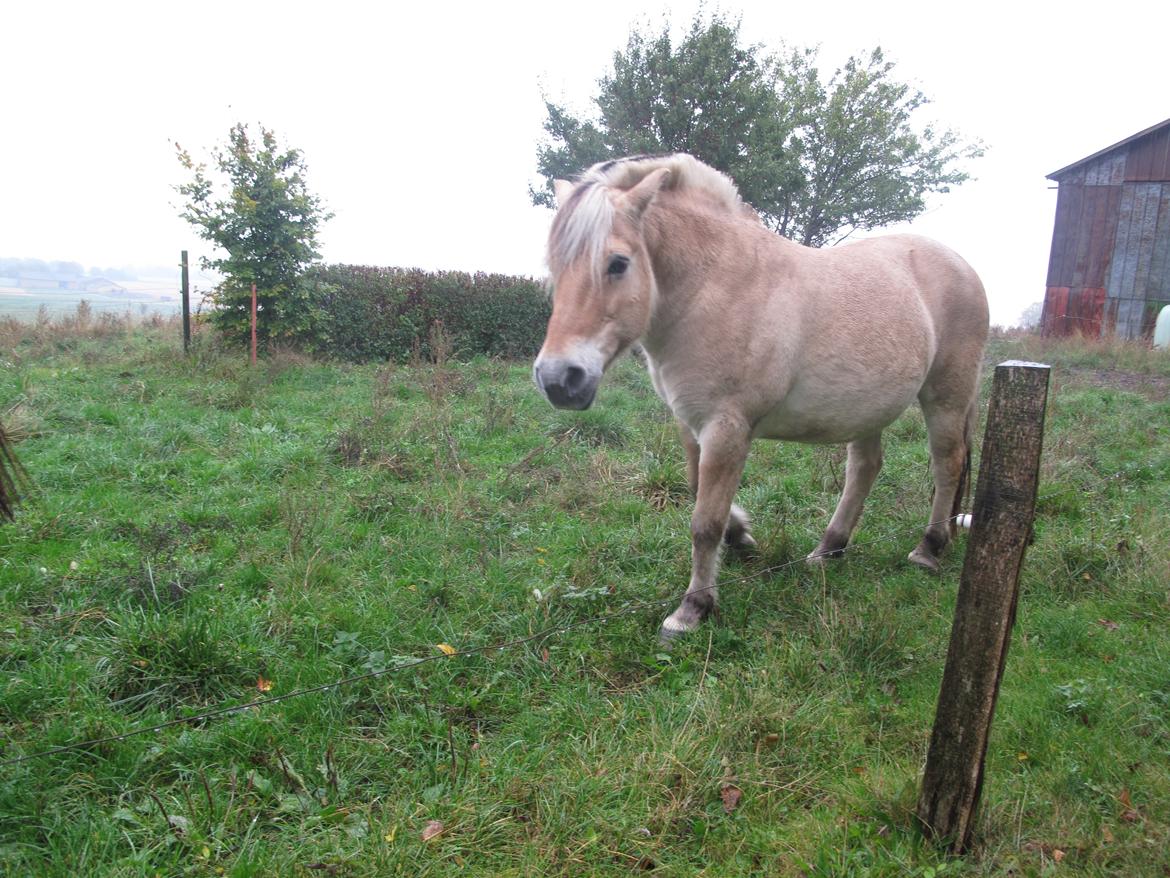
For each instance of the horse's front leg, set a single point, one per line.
(738, 534)
(723, 448)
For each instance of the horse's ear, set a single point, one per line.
(562, 189)
(639, 198)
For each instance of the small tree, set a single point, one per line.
(259, 211)
(818, 160)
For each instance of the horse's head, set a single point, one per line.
(603, 285)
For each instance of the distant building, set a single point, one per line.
(103, 286)
(1109, 268)
(45, 281)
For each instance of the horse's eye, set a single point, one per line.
(617, 266)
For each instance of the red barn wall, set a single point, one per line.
(1109, 266)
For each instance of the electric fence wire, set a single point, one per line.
(501, 646)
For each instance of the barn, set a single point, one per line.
(1109, 268)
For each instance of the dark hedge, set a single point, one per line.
(366, 313)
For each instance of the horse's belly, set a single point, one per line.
(832, 418)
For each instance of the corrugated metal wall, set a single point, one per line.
(1109, 267)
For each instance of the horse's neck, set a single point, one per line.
(684, 244)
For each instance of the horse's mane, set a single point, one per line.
(583, 224)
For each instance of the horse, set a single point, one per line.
(748, 335)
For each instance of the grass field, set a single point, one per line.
(205, 534)
(27, 306)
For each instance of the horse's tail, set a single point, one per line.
(963, 489)
(10, 475)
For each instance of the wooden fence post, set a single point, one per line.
(186, 292)
(253, 324)
(1005, 501)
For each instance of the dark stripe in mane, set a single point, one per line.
(583, 222)
(612, 163)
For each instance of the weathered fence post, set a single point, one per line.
(1005, 501)
(253, 324)
(186, 291)
(11, 476)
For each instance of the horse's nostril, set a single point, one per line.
(574, 378)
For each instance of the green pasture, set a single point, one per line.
(203, 533)
(54, 303)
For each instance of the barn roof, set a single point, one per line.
(1056, 175)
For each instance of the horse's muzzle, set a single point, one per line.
(565, 384)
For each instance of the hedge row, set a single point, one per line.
(366, 313)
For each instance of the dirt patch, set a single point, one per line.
(1155, 387)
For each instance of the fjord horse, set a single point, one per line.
(749, 335)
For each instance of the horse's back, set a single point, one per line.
(878, 319)
(906, 278)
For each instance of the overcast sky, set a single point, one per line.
(419, 124)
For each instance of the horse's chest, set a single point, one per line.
(672, 390)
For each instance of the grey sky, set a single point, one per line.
(419, 125)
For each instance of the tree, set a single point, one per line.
(818, 160)
(1030, 317)
(260, 212)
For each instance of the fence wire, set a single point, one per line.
(544, 634)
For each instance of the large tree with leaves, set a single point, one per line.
(256, 207)
(817, 159)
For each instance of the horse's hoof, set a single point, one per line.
(821, 556)
(744, 543)
(667, 637)
(671, 631)
(925, 561)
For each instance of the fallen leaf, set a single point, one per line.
(544, 655)
(1108, 624)
(1021, 756)
(1106, 835)
(730, 795)
(432, 830)
(446, 648)
(1057, 854)
(262, 684)
(1130, 814)
(389, 836)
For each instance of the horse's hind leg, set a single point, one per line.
(861, 468)
(950, 429)
(738, 533)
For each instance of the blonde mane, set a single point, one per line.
(583, 224)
